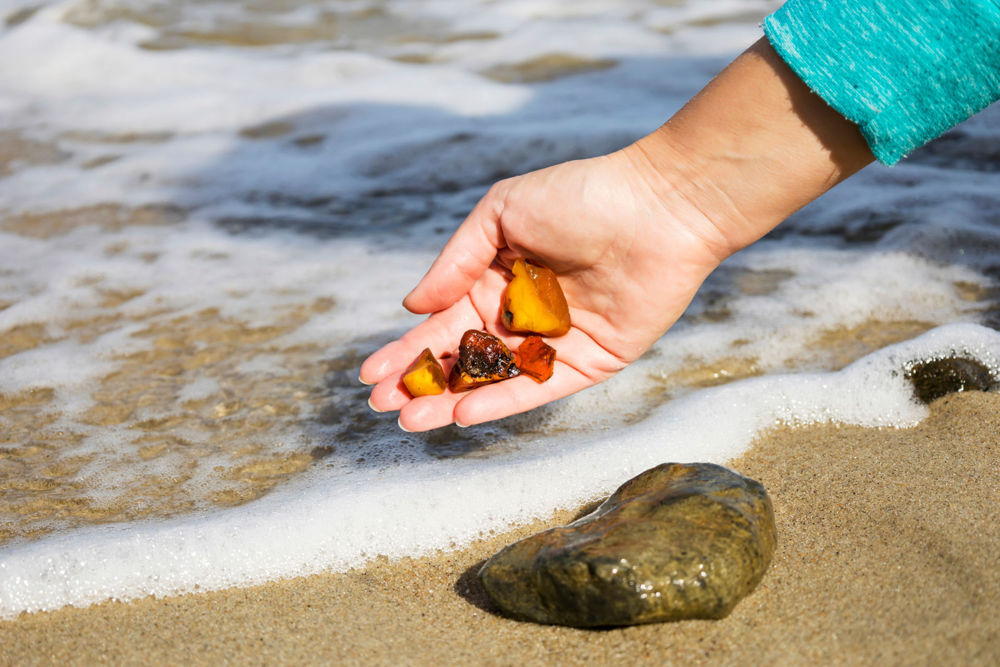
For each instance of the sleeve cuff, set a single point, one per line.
(904, 71)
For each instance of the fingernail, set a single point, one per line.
(461, 425)
(363, 382)
(372, 406)
(401, 427)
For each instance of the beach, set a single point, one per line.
(886, 553)
(209, 215)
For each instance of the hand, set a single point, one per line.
(628, 262)
(631, 236)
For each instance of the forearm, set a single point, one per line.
(751, 148)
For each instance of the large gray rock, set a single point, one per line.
(679, 541)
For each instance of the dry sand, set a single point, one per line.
(888, 552)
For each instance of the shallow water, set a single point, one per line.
(210, 211)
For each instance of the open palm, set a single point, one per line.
(628, 259)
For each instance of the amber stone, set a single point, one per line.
(424, 377)
(533, 301)
(535, 358)
(482, 359)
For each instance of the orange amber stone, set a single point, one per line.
(424, 377)
(533, 302)
(535, 359)
(482, 359)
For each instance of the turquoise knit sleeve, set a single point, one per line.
(904, 71)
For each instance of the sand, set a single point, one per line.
(888, 552)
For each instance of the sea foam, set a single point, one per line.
(335, 523)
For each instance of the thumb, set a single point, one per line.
(463, 260)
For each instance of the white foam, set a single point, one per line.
(103, 81)
(337, 522)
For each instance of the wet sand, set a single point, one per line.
(887, 553)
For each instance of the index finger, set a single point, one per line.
(469, 252)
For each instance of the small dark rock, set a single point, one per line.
(939, 377)
(679, 541)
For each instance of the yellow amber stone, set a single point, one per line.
(533, 302)
(424, 377)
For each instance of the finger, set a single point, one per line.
(519, 394)
(463, 260)
(506, 398)
(389, 395)
(429, 412)
(437, 332)
(580, 350)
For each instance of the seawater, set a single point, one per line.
(210, 211)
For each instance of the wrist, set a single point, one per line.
(749, 150)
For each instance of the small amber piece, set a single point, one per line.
(424, 377)
(482, 359)
(533, 301)
(535, 359)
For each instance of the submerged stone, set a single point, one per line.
(679, 541)
(939, 377)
